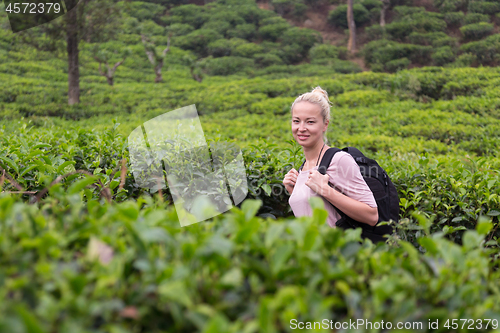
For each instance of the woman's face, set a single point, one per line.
(307, 123)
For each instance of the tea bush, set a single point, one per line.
(324, 51)
(144, 11)
(130, 267)
(443, 55)
(220, 48)
(465, 60)
(427, 38)
(220, 27)
(402, 11)
(477, 30)
(471, 18)
(454, 19)
(278, 105)
(399, 30)
(414, 19)
(447, 6)
(304, 38)
(190, 14)
(283, 7)
(362, 98)
(376, 32)
(180, 29)
(247, 50)
(397, 65)
(484, 7)
(372, 5)
(382, 51)
(446, 41)
(99, 253)
(485, 51)
(246, 31)
(338, 16)
(150, 28)
(198, 41)
(273, 31)
(266, 59)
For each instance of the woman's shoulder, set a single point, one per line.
(340, 156)
(341, 159)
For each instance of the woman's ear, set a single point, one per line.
(326, 125)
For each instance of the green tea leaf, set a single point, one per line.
(61, 168)
(129, 210)
(422, 221)
(267, 189)
(28, 169)
(280, 256)
(471, 239)
(484, 226)
(77, 283)
(274, 232)
(246, 231)
(81, 184)
(41, 145)
(233, 277)
(10, 163)
(217, 324)
(316, 203)
(30, 322)
(310, 238)
(298, 230)
(175, 291)
(493, 213)
(429, 244)
(319, 216)
(250, 208)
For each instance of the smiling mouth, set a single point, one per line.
(302, 136)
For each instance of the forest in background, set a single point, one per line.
(113, 39)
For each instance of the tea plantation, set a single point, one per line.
(83, 248)
(95, 253)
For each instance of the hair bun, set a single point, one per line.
(320, 90)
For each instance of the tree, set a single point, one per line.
(89, 20)
(194, 67)
(351, 45)
(71, 20)
(155, 58)
(104, 57)
(385, 6)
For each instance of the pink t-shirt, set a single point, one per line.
(345, 175)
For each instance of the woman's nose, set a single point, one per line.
(301, 127)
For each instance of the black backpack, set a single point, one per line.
(383, 190)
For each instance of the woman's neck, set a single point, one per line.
(312, 153)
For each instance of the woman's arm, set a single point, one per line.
(349, 180)
(359, 211)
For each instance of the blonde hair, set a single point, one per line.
(317, 96)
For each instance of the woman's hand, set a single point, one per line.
(290, 180)
(317, 182)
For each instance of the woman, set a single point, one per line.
(310, 119)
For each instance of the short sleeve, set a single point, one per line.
(345, 176)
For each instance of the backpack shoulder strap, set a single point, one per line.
(358, 156)
(302, 165)
(323, 166)
(327, 159)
